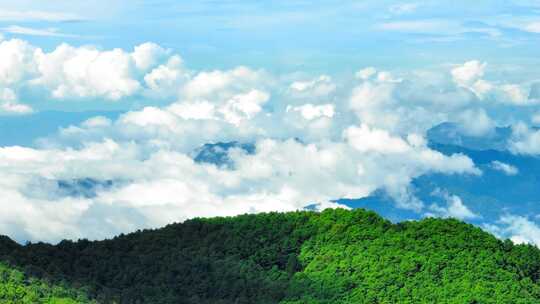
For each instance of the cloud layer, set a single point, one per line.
(316, 139)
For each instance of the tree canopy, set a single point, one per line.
(335, 256)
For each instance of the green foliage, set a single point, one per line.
(16, 288)
(336, 256)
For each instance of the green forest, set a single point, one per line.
(16, 287)
(334, 256)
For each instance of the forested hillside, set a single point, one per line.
(336, 256)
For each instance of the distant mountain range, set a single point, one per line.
(451, 134)
(509, 184)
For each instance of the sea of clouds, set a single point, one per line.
(317, 138)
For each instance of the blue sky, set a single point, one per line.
(324, 36)
(336, 99)
(330, 37)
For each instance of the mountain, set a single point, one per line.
(448, 133)
(509, 183)
(490, 195)
(335, 256)
(218, 153)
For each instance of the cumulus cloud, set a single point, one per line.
(17, 61)
(147, 155)
(244, 106)
(454, 208)
(524, 140)
(161, 184)
(310, 112)
(321, 86)
(365, 139)
(219, 84)
(348, 139)
(468, 73)
(505, 168)
(475, 122)
(148, 55)
(519, 229)
(9, 104)
(166, 79)
(86, 72)
(407, 104)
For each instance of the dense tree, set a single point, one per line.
(336, 256)
(17, 288)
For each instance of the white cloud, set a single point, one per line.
(368, 100)
(244, 106)
(348, 139)
(365, 139)
(520, 229)
(454, 208)
(147, 155)
(97, 121)
(15, 108)
(166, 79)
(366, 73)
(470, 76)
(218, 84)
(414, 102)
(524, 140)
(469, 73)
(16, 63)
(148, 55)
(196, 110)
(149, 116)
(9, 104)
(23, 30)
(505, 168)
(86, 72)
(515, 94)
(321, 86)
(475, 122)
(310, 112)
(399, 161)
(533, 27)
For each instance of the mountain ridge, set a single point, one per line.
(335, 256)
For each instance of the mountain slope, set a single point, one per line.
(336, 256)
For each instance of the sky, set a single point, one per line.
(336, 98)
